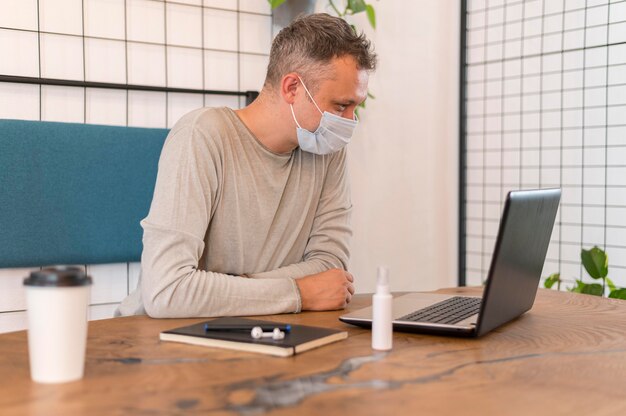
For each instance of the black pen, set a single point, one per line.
(245, 327)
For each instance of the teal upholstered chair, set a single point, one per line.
(74, 193)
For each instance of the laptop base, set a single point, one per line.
(399, 327)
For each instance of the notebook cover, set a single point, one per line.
(301, 338)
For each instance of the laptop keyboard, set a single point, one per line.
(450, 311)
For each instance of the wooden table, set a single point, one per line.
(566, 356)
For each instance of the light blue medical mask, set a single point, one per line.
(332, 135)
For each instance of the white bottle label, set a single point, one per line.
(382, 327)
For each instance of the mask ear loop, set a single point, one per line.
(294, 116)
(310, 96)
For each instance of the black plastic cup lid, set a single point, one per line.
(58, 277)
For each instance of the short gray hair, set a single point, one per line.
(310, 42)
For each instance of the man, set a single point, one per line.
(251, 209)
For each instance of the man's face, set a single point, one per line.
(340, 93)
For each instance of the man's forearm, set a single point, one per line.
(318, 264)
(173, 288)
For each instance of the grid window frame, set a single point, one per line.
(561, 122)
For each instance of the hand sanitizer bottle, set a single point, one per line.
(382, 328)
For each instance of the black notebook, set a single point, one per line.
(301, 338)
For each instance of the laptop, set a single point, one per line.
(516, 265)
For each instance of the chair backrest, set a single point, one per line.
(74, 193)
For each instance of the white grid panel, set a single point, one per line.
(546, 106)
(195, 44)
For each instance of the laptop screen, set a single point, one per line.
(519, 255)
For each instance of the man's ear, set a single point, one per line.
(289, 87)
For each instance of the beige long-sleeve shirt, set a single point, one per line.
(232, 224)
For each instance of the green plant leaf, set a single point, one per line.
(275, 3)
(596, 262)
(610, 284)
(618, 294)
(551, 280)
(578, 288)
(371, 15)
(370, 95)
(594, 289)
(357, 6)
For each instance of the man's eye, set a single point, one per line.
(341, 108)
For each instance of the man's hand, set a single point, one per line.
(329, 290)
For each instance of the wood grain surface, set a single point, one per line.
(566, 356)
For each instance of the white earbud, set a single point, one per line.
(257, 333)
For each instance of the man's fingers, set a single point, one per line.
(350, 288)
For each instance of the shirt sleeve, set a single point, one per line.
(172, 286)
(329, 241)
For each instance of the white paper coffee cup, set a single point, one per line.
(57, 300)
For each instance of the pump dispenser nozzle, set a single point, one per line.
(382, 281)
